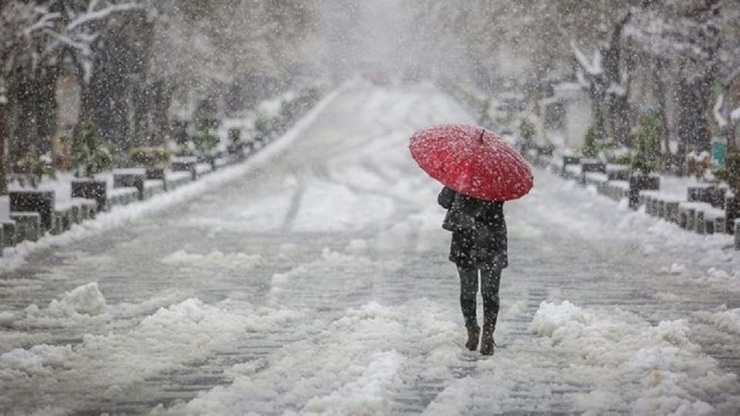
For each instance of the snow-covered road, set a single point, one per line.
(318, 284)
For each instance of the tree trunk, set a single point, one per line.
(619, 119)
(693, 124)
(661, 92)
(4, 133)
(46, 108)
(23, 136)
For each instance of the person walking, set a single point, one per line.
(479, 250)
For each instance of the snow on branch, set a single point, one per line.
(594, 67)
(93, 15)
(717, 111)
(82, 46)
(45, 22)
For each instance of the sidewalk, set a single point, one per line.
(688, 203)
(124, 204)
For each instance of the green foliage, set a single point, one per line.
(732, 171)
(235, 135)
(150, 157)
(264, 125)
(33, 167)
(590, 143)
(526, 130)
(205, 142)
(89, 155)
(289, 110)
(624, 158)
(646, 158)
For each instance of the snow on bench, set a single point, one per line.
(203, 168)
(595, 178)
(122, 196)
(618, 172)
(616, 190)
(176, 179)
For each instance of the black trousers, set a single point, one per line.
(490, 280)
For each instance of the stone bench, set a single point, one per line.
(71, 212)
(8, 227)
(185, 164)
(714, 221)
(711, 194)
(175, 180)
(568, 160)
(130, 178)
(28, 226)
(122, 196)
(618, 172)
(701, 217)
(572, 172)
(153, 187)
(41, 202)
(595, 179)
(203, 169)
(616, 190)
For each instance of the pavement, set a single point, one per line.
(318, 284)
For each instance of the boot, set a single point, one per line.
(487, 343)
(473, 336)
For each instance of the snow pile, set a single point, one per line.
(87, 300)
(81, 305)
(334, 272)
(350, 366)
(106, 364)
(728, 320)
(366, 395)
(214, 259)
(329, 206)
(658, 368)
(40, 360)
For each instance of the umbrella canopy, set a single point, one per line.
(472, 161)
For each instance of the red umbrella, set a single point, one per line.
(473, 161)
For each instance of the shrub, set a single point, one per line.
(264, 125)
(235, 135)
(526, 130)
(205, 142)
(89, 155)
(646, 158)
(150, 157)
(590, 147)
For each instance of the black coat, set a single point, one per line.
(478, 230)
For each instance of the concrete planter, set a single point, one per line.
(591, 166)
(639, 183)
(154, 173)
(28, 226)
(41, 202)
(123, 178)
(185, 164)
(569, 160)
(91, 189)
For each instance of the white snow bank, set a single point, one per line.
(85, 299)
(213, 260)
(728, 320)
(366, 395)
(659, 369)
(180, 333)
(349, 366)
